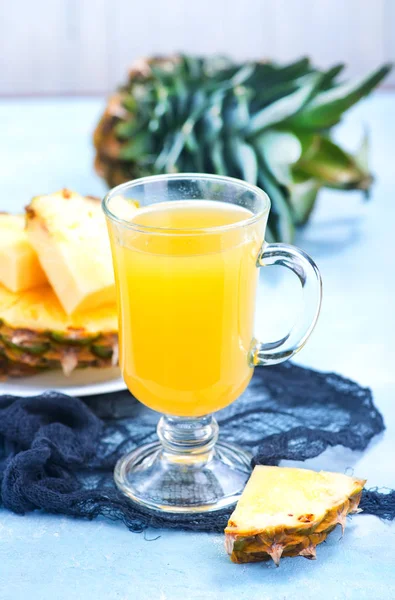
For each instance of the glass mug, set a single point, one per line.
(186, 270)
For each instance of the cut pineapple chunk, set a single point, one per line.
(19, 266)
(69, 234)
(287, 512)
(40, 310)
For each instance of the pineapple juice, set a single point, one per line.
(186, 295)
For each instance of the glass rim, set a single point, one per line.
(117, 190)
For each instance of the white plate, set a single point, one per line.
(82, 382)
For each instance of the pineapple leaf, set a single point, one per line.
(302, 197)
(161, 107)
(130, 103)
(175, 150)
(217, 157)
(137, 147)
(281, 224)
(327, 107)
(334, 167)
(245, 159)
(285, 108)
(269, 235)
(330, 76)
(361, 157)
(241, 112)
(268, 94)
(126, 129)
(294, 70)
(191, 143)
(310, 143)
(235, 111)
(199, 104)
(241, 75)
(161, 159)
(280, 150)
(181, 92)
(341, 169)
(211, 122)
(193, 65)
(268, 75)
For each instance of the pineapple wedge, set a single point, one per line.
(287, 512)
(68, 232)
(19, 266)
(37, 334)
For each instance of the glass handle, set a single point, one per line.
(309, 276)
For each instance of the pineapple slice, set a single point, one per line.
(69, 234)
(287, 512)
(36, 332)
(19, 266)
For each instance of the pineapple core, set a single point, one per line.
(20, 269)
(287, 512)
(69, 234)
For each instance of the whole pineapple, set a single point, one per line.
(262, 122)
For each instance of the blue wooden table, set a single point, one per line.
(46, 145)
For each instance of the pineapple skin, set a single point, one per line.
(256, 551)
(69, 233)
(20, 269)
(10, 369)
(36, 334)
(253, 544)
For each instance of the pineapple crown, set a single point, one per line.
(265, 123)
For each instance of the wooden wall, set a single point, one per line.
(85, 46)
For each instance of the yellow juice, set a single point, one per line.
(186, 299)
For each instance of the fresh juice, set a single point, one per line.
(186, 297)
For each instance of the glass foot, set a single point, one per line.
(174, 476)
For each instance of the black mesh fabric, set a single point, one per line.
(57, 453)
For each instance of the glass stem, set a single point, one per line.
(188, 437)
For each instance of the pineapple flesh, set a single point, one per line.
(68, 232)
(288, 512)
(19, 266)
(36, 334)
